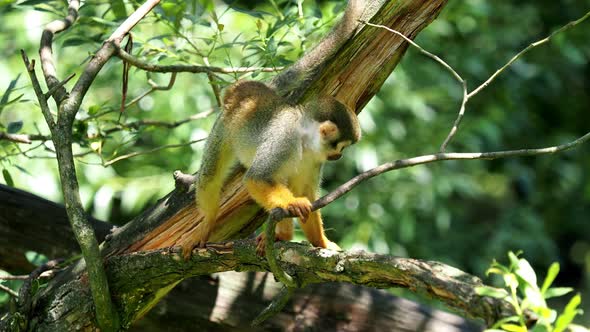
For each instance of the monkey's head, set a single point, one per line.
(339, 126)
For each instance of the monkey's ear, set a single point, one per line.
(329, 130)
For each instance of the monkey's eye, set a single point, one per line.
(334, 144)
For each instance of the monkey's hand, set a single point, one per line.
(196, 238)
(299, 206)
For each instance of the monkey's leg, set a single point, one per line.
(314, 231)
(283, 232)
(218, 161)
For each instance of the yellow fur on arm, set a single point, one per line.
(270, 196)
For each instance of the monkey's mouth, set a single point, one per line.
(335, 156)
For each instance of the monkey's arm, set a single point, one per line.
(266, 178)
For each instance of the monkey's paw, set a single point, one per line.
(193, 240)
(301, 207)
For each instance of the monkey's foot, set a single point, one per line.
(301, 207)
(194, 239)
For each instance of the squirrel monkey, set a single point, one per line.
(282, 147)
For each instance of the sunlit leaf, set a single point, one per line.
(568, 314)
(7, 178)
(551, 274)
(497, 293)
(557, 291)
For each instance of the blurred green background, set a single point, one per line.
(463, 213)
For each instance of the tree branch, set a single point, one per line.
(135, 154)
(23, 138)
(46, 52)
(430, 158)
(106, 315)
(467, 95)
(133, 275)
(188, 68)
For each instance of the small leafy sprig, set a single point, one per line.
(523, 293)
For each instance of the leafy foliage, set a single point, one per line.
(520, 280)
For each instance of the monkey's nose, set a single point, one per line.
(335, 156)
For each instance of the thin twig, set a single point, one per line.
(30, 65)
(135, 154)
(154, 87)
(403, 163)
(524, 51)
(157, 123)
(188, 68)
(24, 277)
(455, 127)
(9, 291)
(214, 85)
(447, 67)
(425, 52)
(468, 95)
(49, 93)
(274, 217)
(23, 138)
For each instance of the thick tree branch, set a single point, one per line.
(133, 275)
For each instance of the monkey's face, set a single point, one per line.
(332, 145)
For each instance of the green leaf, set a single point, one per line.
(118, 7)
(22, 169)
(74, 41)
(4, 100)
(568, 314)
(7, 178)
(93, 109)
(557, 291)
(253, 13)
(551, 274)
(510, 280)
(526, 272)
(497, 293)
(513, 259)
(15, 127)
(513, 328)
(32, 2)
